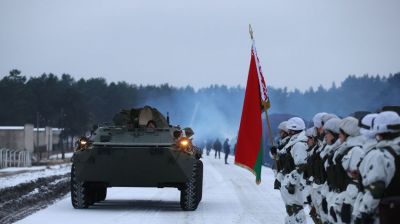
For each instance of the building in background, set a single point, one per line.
(29, 138)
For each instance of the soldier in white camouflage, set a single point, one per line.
(294, 165)
(379, 176)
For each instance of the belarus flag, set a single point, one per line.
(249, 148)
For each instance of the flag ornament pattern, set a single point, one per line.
(263, 86)
(249, 148)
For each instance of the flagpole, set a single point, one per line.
(263, 102)
(270, 133)
(251, 32)
(268, 123)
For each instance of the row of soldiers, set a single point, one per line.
(346, 170)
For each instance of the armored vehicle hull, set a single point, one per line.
(134, 166)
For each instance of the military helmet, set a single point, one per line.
(387, 122)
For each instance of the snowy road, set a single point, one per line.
(230, 195)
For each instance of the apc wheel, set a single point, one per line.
(80, 192)
(191, 192)
(200, 182)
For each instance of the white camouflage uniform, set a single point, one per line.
(295, 178)
(369, 143)
(349, 163)
(378, 165)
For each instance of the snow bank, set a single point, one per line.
(33, 174)
(19, 169)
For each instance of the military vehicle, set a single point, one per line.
(141, 149)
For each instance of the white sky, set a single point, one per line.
(300, 43)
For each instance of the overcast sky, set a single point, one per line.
(301, 43)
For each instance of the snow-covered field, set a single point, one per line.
(230, 195)
(31, 173)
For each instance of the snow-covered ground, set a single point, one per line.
(230, 195)
(22, 169)
(31, 173)
(58, 156)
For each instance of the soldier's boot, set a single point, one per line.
(299, 216)
(289, 213)
(296, 214)
(289, 210)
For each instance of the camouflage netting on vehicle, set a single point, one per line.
(140, 117)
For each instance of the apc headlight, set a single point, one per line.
(184, 143)
(83, 143)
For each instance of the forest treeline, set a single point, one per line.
(75, 105)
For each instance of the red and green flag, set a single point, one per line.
(249, 148)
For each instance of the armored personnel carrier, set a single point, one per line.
(140, 149)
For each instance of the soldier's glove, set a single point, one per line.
(313, 212)
(346, 213)
(273, 150)
(314, 215)
(325, 206)
(309, 200)
(277, 184)
(291, 188)
(308, 182)
(333, 214)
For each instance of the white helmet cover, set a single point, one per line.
(311, 132)
(387, 121)
(317, 119)
(366, 125)
(296, 124)
(350, 126)
(333, 125)
(327, 117)
(283, 126)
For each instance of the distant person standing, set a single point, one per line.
(227, 150)
(208, 147)
(217, 147)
